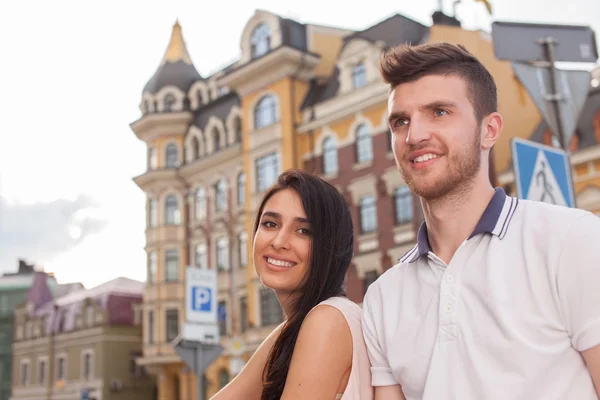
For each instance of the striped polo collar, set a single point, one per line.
(495, 220)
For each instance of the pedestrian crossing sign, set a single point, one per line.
(542, 173)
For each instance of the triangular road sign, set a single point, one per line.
(542, 173)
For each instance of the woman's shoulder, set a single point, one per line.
(347, 307)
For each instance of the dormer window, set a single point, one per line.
(359, 76)
(169, 102)
(260, 41)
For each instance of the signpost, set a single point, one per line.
(559, 95)
(198, 344)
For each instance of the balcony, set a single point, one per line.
(165, 234)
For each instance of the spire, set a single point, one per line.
(177, 51)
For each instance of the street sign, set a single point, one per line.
(573, 86)
(201, 292)
(517, 41)
(198, 357)
(542, 173)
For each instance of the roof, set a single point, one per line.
(117, 296)
(392, 31)
(176, 67)
(219, 108)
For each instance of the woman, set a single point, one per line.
(303, 244)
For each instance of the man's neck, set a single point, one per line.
(452, 219)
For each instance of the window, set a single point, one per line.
(364, 145)
(359, 76)
(172, 215)
(152, 267)
(260, 42)
(330, 159)
(270, 310)
(42, 372)
(152, 212)
(150, 327)
(201, 261)
(86, 370)
(237, 126)
(200, 203)
(221, 195)
(403, 205)
(172, 156)
(241, 189)
(172, 324)
(265, 112)
(267, 170)
(222, 256)
(169, 102)
(195, 148)
(368, 214)
(222, 318)
(171, 266)
(216, 140)
(243, 250)
(89, 315)
(24, 373)
(243, 314)
(152, 158)
(60, 368)
(28, 330)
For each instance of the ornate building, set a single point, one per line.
(300, 96)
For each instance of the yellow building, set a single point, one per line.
(300, 95)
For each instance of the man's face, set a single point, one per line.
(435, 136)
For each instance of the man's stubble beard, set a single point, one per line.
(461, 171)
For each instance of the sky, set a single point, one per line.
(70, 84)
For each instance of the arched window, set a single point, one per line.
(237, 126)
(172, 215)
(330, 156)
(364, 144)
(265, 112)
(169, 102)
(260, 42)
(216, 139)
(195, 148)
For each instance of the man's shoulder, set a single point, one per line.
(390, 279)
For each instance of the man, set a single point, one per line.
(500, 298)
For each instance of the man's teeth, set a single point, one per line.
(425, 157)
(280, 263)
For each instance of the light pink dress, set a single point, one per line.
(359, 383)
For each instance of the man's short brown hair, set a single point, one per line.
(408, 63)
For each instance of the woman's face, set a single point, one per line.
(282, 243)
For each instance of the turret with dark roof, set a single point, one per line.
(176, 68)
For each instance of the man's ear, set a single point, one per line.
(491, 128)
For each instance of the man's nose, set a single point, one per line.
(418, 131)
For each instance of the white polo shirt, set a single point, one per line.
(505, 319)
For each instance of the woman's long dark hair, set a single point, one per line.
(332, 245)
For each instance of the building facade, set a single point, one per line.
(82, 345)
(13, 292)
(300, 96)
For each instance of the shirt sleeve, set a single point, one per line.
(578, 282)
(381, 373)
